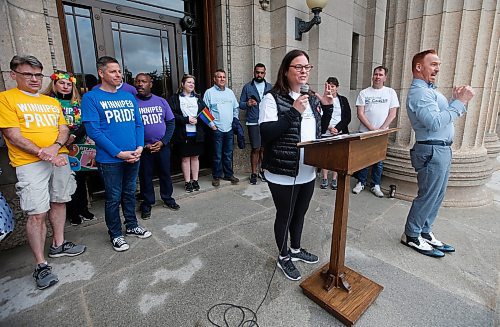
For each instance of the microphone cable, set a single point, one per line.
(252, 322)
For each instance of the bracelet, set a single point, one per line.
(58, 143)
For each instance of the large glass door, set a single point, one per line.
(145, 37)
(144, 47)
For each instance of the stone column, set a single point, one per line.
(464, 36)
(491, 100)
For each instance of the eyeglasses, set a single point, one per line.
(28, 76)
(300, 67)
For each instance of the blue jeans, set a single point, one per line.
(160, 160)
(377, 168)
(432, 164)
(119, 184)
(223, 154)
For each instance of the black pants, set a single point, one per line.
(297, 208)
(79, 201)
(161, 161)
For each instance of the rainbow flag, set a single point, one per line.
(206, 116)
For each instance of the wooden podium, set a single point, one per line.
(343, 292)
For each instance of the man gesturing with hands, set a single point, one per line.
(113, 121)
(431, 117)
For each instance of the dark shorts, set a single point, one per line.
(254, 136)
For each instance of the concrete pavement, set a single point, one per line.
(219, 247)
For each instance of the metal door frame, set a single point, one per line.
(175, 64)
(99, 10)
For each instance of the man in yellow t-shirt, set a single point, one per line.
(35, 132)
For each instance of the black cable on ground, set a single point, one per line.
(252, 322)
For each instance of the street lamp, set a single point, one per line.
(301, 26)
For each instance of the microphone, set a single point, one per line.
(304, 89)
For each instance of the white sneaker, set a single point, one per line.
(358, 188)
(376, 190)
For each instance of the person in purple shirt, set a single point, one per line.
(159, 125)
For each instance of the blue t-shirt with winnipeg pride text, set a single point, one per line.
(113, 121)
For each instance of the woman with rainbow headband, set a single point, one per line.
(189, 133)
(63, 87)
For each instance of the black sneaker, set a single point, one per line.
(44, 277)
(119, 244)
(67, 249)
(145, 213)
(75, 220)
(87, 215)
(286, 265)
(262, 177)
(139, 232)
(253, 179)
(172, 206)
(196, 186)
(216, 182)
(303, 255)
(188, 186)
(232, 179)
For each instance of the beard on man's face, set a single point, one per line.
(258, 79)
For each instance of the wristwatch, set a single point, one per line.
(58, 143)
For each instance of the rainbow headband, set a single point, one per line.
(68, 76)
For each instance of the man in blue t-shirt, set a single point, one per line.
(159, 125)
(113, 121)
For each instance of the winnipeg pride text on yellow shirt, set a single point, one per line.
(37, 116)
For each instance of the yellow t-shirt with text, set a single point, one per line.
(37, 116)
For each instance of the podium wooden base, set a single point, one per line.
(346, 307)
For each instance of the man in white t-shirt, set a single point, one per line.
(377, 106)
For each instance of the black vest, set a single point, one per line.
(282, 156)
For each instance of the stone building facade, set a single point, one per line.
(354, 36)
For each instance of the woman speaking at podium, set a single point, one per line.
(290, 113)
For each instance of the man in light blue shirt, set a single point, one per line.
(223, 105)
(431, 117)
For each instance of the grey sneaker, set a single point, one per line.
(304, 256)
(289, 269)
(324, 184)
(139, 232)
(334, 184)
(44, 277)
(67, 249)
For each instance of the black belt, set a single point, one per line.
(435, 142)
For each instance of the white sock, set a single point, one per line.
(294, 250)
(41, 264)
